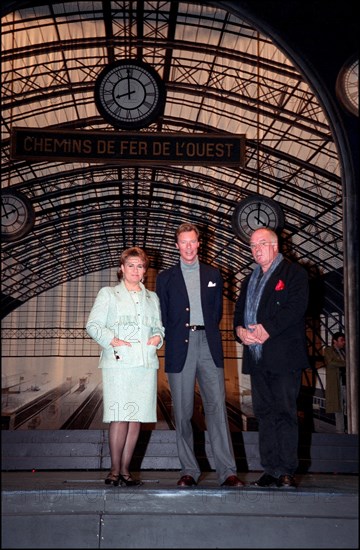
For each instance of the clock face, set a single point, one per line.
(347, 86)
(130, 94)
(17, 216)
(255, 212)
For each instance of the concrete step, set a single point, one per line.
(156, 450)
(77, 510)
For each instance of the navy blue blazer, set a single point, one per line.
(281, 311)
(175, 313)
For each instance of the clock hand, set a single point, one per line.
(257, 218)
(128, 81)
(126, 93)
(129, 91)
(9, 211)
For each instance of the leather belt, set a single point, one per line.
(196, 327)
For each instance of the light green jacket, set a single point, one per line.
(114, 314)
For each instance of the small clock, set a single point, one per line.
(17, 215)
(347, 85)
(255, 212)
(129, 94)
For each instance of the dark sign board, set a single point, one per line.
(126, 148)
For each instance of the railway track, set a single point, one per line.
(68, 409)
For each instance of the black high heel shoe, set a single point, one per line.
(128, 480)
(112, 479)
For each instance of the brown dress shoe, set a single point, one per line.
(186, 481)
(232, 481)
(287, 481)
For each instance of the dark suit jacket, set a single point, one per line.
(282, 313)
(175, 313)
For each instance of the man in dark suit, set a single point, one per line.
(335, 363)
(269, 321)
(191, 308)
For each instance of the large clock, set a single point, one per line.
(17, 215)
(347, 85)
(130, 94)
(254, 212)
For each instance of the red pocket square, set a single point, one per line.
(280, 285)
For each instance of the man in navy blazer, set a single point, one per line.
(191, 301)
(269, 321)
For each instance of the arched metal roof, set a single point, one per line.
(221, 75)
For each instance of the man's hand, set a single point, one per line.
(255, 334)
(259, 333)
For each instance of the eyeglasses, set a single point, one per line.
(261, 244)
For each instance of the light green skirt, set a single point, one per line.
(129, 395)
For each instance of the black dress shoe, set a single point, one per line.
(266, 480)
(286, 481)
(186, 481)
(128, 480)
(112, 479)
(232, 481)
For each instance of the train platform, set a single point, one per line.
(75, 509)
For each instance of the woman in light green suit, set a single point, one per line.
(125, 321)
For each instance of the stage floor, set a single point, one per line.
(158, 479)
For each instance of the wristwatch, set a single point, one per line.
(254, 212)
(130, 94)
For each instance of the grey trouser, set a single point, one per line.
(199, 366)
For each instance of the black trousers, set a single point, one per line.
(274, 398)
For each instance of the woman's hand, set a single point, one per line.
(115, 342)
(154, 340)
